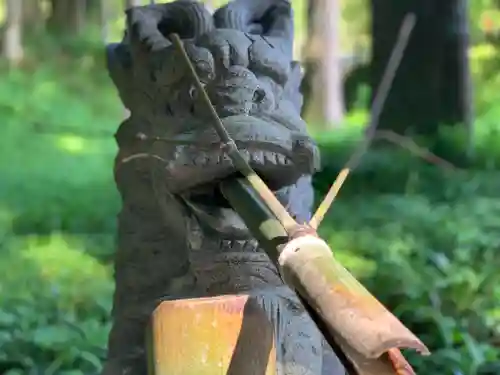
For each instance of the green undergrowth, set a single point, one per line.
(423, 239)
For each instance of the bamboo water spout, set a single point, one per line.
(351, 319)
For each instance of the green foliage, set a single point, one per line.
(424, 240)
(54, 306)
(55, 237)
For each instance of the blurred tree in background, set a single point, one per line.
(13, 32)
(433, 84)
(424, 239)
(323, 79)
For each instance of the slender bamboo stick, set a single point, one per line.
(232, 150)
(378, 104)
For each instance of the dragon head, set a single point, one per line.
(243, 54)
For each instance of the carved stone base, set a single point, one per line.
(211, 336)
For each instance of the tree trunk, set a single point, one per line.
(93, 8)
(432, 86)
(32, 15)
(331, 69)
(322, 82)
(462, 95)
(104, 17)
(309, 56)
(67, 17)
(12, 39)
(99, 12)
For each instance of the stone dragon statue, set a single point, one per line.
(177, 236)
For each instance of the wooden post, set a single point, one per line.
(228, 335)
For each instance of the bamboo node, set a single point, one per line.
(301, 230)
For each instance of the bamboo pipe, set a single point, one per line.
(349, 316)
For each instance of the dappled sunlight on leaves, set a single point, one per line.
(71, 143)
(60, 267)
(54, 303)
(342, 247)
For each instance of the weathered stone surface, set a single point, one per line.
(177, 237)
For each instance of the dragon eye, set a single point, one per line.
(259, 95)
(192, 92)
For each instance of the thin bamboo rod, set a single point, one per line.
(378, 104)
(232, 150)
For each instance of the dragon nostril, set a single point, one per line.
(193, 92)
(259, 95)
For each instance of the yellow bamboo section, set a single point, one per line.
(211, 336)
